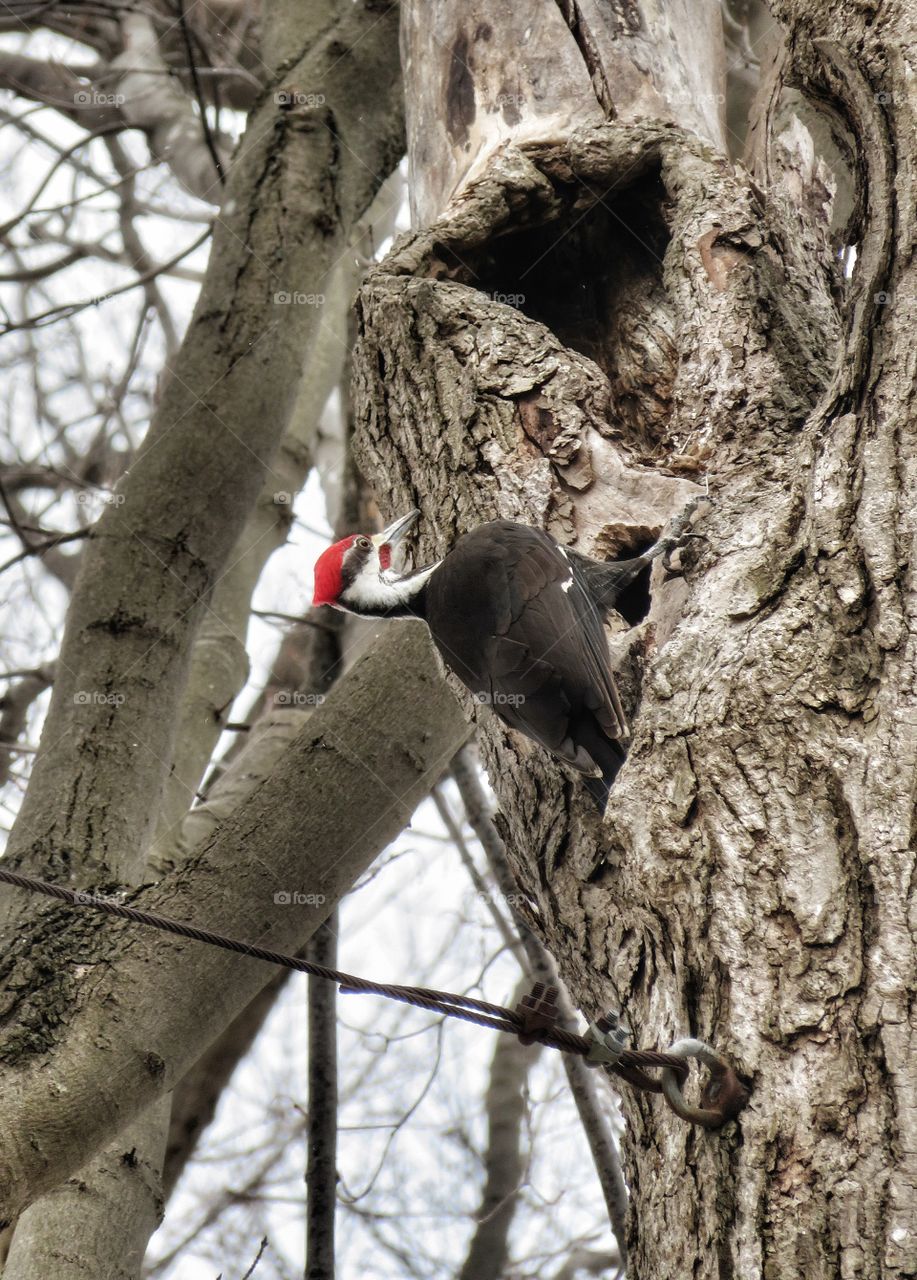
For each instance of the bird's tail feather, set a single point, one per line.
(609, 755)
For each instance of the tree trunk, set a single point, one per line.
(601, 314)
(294, 197)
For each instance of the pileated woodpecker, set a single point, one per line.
(518, 619)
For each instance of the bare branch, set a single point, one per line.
(321, 1173)
(14, 710)
(40, 548)
(67, 310)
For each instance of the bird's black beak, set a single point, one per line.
(396, 531)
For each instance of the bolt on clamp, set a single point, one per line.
(609, 1037)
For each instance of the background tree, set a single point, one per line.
(601, 311)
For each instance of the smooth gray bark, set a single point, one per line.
(140, 1007)
(154, 560)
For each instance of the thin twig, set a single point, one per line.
(199, 93)
(39, 548)
(251, 1271)
(65, 311)
(293, 617)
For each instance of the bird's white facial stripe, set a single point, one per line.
(377, 588)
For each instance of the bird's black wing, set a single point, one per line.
(513, 620)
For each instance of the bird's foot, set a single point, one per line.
(678, 536)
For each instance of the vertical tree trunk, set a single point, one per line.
(155, 559)
(599, 315)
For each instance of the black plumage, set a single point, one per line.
(518, 619)
(510, 614)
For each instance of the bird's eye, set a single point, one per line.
(364, 544)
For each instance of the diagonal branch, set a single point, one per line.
(344, 789)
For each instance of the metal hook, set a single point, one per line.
(723, 1096)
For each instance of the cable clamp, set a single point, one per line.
(609, 1037)
(538, 1011)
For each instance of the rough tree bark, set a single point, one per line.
(674, 321)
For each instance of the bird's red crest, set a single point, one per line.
(328, 572)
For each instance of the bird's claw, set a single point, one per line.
(677, 544)
(679, 534)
